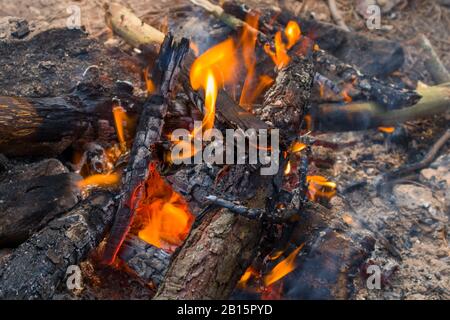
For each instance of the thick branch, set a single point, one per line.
(366, 115)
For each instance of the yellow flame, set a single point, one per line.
(287, 170)
(282, 268)
(293, 33)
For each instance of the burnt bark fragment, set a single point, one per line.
(37, 267)
(28, 205)
(148, 262)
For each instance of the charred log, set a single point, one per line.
(38, 266)
(148, 133)
(330, 258)
(28, 205)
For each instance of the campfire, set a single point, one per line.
(188, 156)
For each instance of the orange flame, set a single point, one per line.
(386, 129)
(248, 42)
(220, 60)
(319, 186)
(215, 67)
(121, 118)
(250, 272)
(282, 268)
(164, 213)
(280, 56)
(100, 180)
(150, 86)
(293, 33)
(297, 147)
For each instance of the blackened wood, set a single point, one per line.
(330, 258)
(39, 126)
(285, 103)
(38, 266)
(363, 87)
(46, 167)
(148, 262)
(148, 133)
(28, 205)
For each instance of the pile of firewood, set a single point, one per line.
(57, 102)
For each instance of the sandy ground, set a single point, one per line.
(412, 218)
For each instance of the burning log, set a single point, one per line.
(148, 133)
(135, 32)
(212, 259)
(28, 205)
(367, 115)
(37, 268)
(330, 258)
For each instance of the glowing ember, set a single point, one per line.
(100, 180)
(346, 97)
(163, 213)
(386, 129)
(282, 268)
(319, 186)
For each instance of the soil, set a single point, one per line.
(409, 218)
